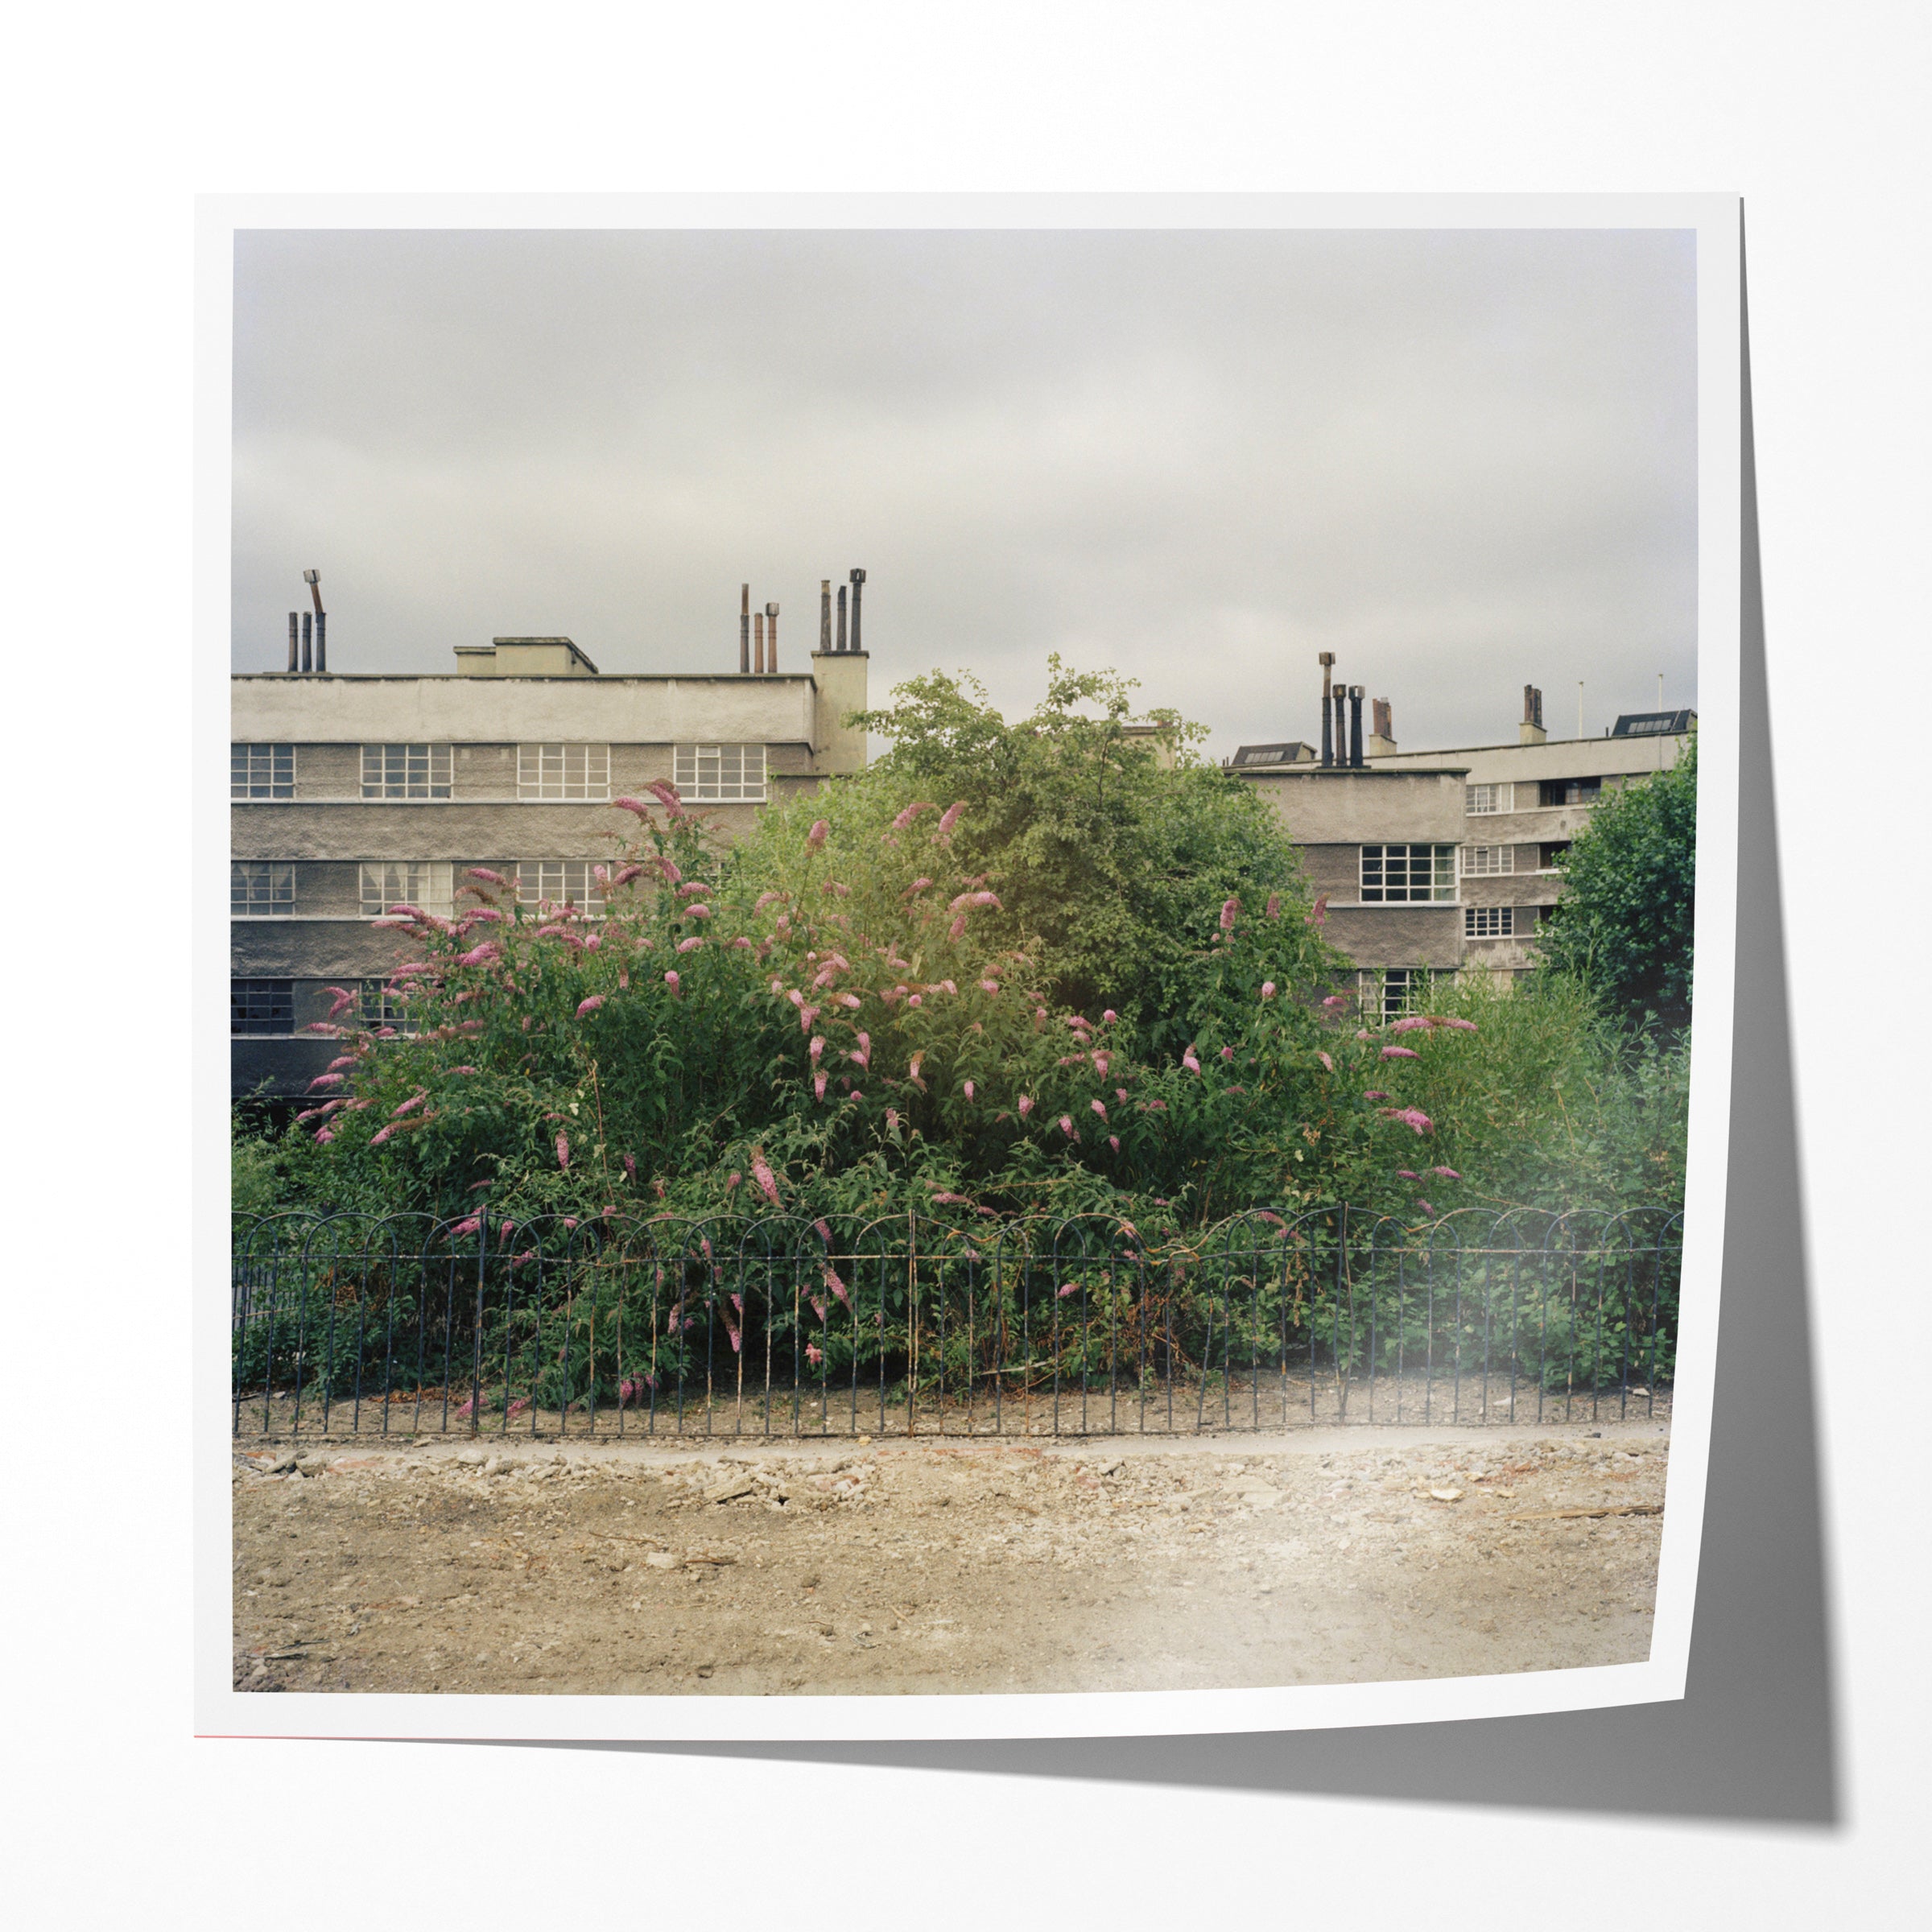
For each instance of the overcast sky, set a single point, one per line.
(1462, 461)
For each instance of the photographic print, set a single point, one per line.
(979, 968)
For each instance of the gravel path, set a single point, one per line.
(1328, 1556)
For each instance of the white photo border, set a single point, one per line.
(221, 1710)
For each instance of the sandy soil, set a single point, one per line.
(1325, 1557)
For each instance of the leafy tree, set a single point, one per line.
(1115, 862)
(1624, 922)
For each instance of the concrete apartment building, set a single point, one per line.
(1523, 803)
(351, 793)
(1435, 861)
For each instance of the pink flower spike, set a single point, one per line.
(989, 985)
(1229, 908)
(813, 1353)
(1113, 1140)
(1109, 1017)
(1448, 1173)
(768, 1185)
(818, 1047)
(1066, 1127)
(671, 980)
(891, 1120)
(1326, 1061)
(689, 945)
(1267, 989)
(590, 1005)
(636, 805)
(906, 817)
(969, 1090)
(949, 817)
(630, 1165)
(1375, 1093)
(1120, 1093)
(1402, 1174)
(815, 838)
(957, 929)
(1459, 1025)
(562, 1151)
(818, 1086)
(1399, 1053)
(1026, 1105)
(1099, 1107)
(1071, 1288)
(1227, 1053)
(1274, 905)
(323, 1136)
(377, 1139)
(1335, 999)
(1412, 1023)
(1423, 1205)
(1189, 1061)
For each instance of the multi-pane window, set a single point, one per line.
(405, 771)
(1485, 861)
(385, 1006)
(558, 882)
(1390, 991)
(1489, 922)
(420, 882)
(261, 771)
(1479, 800)
(1570, 791)
(260, 1006)
(720, 774)
(261, 888)
(1550, 856)
(1406, 872)
(563, 771)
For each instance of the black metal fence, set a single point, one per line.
(353, 1324)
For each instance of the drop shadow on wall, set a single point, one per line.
(1754, 1737)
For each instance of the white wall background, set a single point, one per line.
(117, 117)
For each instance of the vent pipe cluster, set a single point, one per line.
(759, 630)
(1341, 718)
(311, 628)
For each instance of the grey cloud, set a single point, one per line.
(1463, 461)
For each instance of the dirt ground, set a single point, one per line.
(1327, 1556)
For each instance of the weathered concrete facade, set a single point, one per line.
(301, 919)
(1523, 804)
(1347, 822)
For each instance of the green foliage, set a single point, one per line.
(1114, 865)
(1624, 922)
(1007, 972)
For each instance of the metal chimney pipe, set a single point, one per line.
(295, 625)
(1326, 660)
(771, 639)
(321, 643)
(757, 642)
(1341, 724)
(307, 632)
(824, 615)
(858, 587)
(744, 630)
(1356, 695)
(841, 616)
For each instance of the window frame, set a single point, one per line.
(377, 1007)
(436, 894)
(242, 751)
(1474, 916)
(1375, 984)
(536, 784)
(1505, 856)
(1494, 792)
(531, 894)
(239, 1027)
(285, 909)
(688, 773)
(1588, 790)
(405, 789)
(1441, 890)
